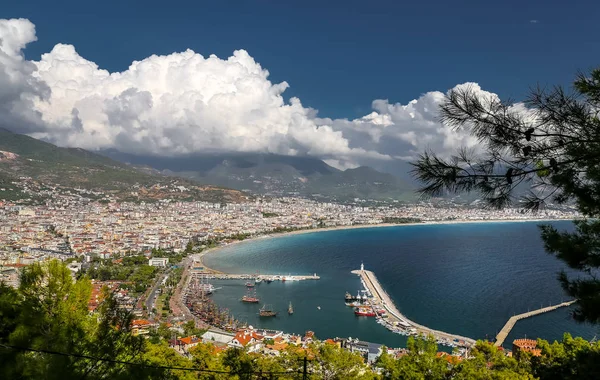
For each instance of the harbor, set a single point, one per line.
(394, 321)
(317, 303)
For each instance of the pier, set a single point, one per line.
(511, 322)
(382, 299)
(272, 277)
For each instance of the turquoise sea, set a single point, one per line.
(466, 279)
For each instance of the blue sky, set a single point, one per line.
(338, 56)
(359, 63)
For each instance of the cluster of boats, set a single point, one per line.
(250, 297)
(362, 306)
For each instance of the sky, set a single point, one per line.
(351, 82)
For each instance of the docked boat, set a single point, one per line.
(350, 298)
(267, 311)
(268, 280)
(258, 280)
(365, 312)
(249, 284)
(290, 309)
(354, 304)
(206, 288)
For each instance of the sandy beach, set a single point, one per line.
(199, 256)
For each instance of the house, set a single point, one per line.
(526, 345)
(295, 339)
(275, 348)
(368, 350)
(215, 337)
(248, 339)
(451, 359)
(158, 261)
(188, 342)
(141, 326)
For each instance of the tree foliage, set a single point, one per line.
(549, 144)
(49, 312)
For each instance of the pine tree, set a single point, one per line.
(550, 144)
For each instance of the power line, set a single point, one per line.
(142, 364)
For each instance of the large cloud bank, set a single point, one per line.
(185, 103)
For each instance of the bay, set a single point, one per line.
(466, 279)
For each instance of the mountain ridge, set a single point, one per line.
(278, 175)
(33, 169)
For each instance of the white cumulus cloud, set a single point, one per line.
(185, 103)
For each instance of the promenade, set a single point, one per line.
(383, 299)
(511, 322)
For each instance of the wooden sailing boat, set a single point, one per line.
(266, 311)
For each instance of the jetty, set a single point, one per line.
(381, 298)
(511, 322)
(272, 277)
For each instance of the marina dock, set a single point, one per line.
(381, 298)
(272, 277)
(511, 322)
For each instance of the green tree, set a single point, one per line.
(487, 362)
(49, 312)
(551, 144)
(572, 358)
(239, 363)
(420, 363)
(334, 363)
(204, 357)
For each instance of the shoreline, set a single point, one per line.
(198, 257)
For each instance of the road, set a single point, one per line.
(151, 299)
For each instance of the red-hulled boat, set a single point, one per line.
(364, 312)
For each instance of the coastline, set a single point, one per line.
(198, 257)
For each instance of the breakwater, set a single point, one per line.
(396, 320)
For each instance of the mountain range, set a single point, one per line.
(32, 169)
(278, 175)
(31, 166)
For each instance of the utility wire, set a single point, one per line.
(142, 364)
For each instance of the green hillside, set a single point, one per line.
(39, 166)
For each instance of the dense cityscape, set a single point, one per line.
(259, 190)
(87, 234)
(92, 229)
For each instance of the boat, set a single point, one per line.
(354, 304)
(350, 298)
(290, 309)
(258, 280)
(206, 288)
(268, 280)
(319, 307)
(266, 311)
(364, 312)
(249, 284)
(250, 298)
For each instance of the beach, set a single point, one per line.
(198, 257)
